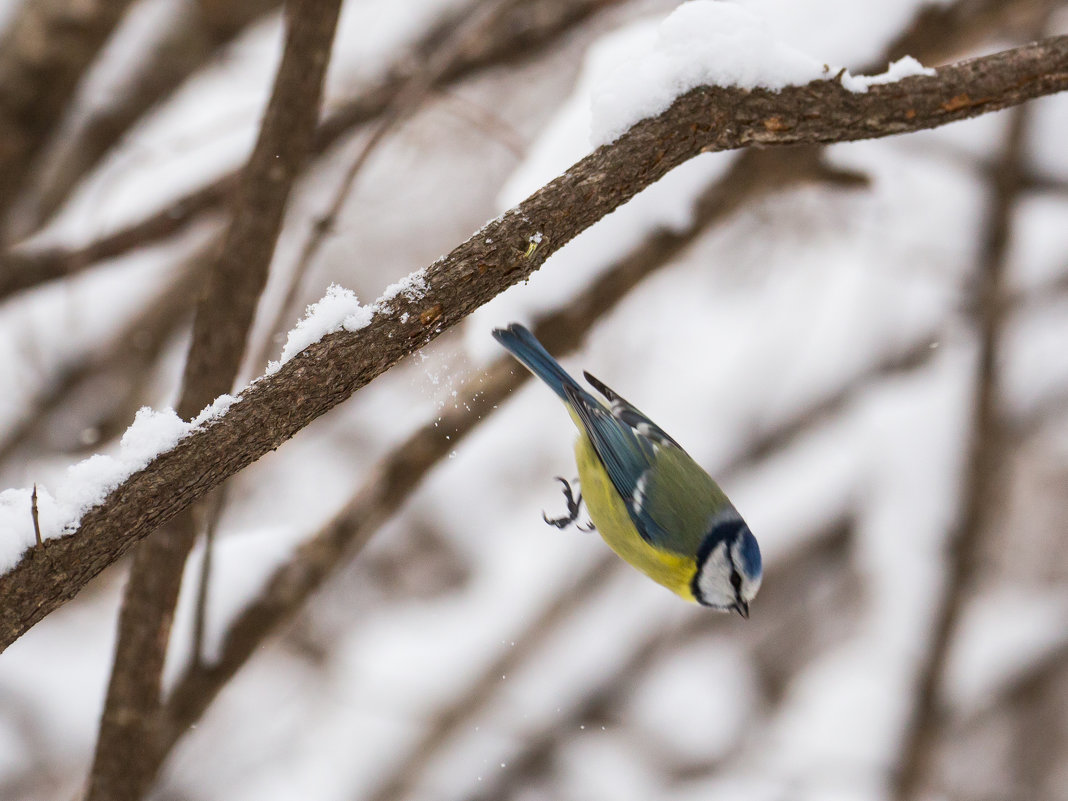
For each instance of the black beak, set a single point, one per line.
(742, 608)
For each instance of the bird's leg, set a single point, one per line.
(573, 502)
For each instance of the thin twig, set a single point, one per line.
(36, 519)
(492, 125)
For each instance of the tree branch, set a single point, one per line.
(122, 364)
(273, 409)
(947, 31)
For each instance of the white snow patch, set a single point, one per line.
(904, 67)
(412, 286)
(703, 42)
(338, 309)
(87, 483)
(712, 43)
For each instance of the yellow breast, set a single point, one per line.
(610, 515)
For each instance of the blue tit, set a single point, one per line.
(651, 502)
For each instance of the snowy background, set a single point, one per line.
(469, 651)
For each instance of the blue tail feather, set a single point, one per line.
(525, 347)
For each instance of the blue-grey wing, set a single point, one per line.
(668, 497)
(627, 412)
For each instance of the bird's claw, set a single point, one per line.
(574, 501)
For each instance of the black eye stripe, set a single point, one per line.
(736, 581)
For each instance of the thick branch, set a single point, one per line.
(706, 119)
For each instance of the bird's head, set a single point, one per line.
(729, 569)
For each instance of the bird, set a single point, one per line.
(653, 505)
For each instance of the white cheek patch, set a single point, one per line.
(714, 580)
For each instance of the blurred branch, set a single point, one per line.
(126, 762)
(706, 119)
(1048, 411)
(199, 31)
(493, 126)
(1032, 704)
(24, 269)
(210, 512)
(980, 487)
(1028, 684)
(527, 28)
(44, 52)
(1044, 182)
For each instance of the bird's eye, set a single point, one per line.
(736, 581)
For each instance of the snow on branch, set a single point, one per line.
(504, 252)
